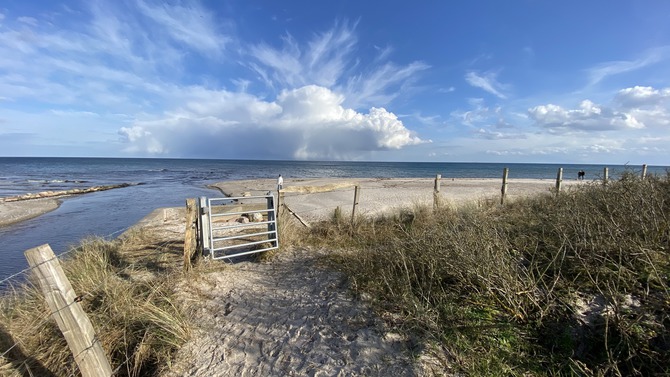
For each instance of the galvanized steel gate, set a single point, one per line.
(237, 226)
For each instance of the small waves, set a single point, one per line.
(49, 181)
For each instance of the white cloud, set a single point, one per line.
(28, 21)
(497, 135)
(643, 96)
(382, 85)
(190, 25)
(136, 66)
(327, 61)
(488, 82)
(604, 70)
(479, 112)
(322, 62)
(306, 123)
(588, 117)
(635, 108)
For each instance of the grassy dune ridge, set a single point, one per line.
(573, 284)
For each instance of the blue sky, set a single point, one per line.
(478, 81)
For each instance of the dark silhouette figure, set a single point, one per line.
(581, 174)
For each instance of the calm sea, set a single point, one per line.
(168, 182)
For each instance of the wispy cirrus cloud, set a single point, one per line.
(487, 81)
(322, 61)
(327, 60)
(189, 24)
(604, 70)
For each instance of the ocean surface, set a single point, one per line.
(168, 182)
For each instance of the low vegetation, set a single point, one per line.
(132, 309)
(573, 284)
(568, 284)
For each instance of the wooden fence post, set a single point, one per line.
(67, 312)
(436, 191)
(559, 180)
(503, 190)
(280, 202)
(190, 233)
(605, 175)
(353, 211)
(644, 171)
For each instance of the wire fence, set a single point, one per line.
(321, 202)
(8, 282)
(12, 288)
(301, 203)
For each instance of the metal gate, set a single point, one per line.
(233, 227)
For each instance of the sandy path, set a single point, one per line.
(286, 317)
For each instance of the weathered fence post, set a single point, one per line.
(605, 175)
(436, 191)
(559, 180)
(644, 171)
(280, 202)
(503, 190)
(353, 211)
(204, 224)
(68, 314)
(190, 233)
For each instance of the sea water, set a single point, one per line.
(160, 183)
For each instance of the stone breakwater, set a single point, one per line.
(58, 194)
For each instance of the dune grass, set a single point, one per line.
(133, 311)
(574, 284)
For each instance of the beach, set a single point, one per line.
(317, 198)
(290, 312)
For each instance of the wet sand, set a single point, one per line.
(14, 212)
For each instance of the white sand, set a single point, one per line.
(318, 198)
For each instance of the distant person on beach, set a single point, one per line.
(581, 174)
(280, 182)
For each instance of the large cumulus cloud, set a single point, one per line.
(304, 123)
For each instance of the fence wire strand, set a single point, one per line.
(8, 281)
